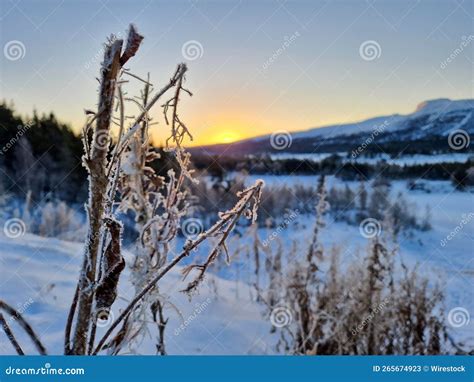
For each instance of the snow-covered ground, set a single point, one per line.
(38, 277)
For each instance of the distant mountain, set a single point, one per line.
(423, 131)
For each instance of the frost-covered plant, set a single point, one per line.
(370, 306)
(122, 180)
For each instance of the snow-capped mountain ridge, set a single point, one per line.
(424, 130)
(443, 105)
(436, 108)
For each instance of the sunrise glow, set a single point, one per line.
(227, 136)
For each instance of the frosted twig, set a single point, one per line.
(178, 128)
(10, 335)
(179, 73)
(121, 130)
(70, 319)
(224, 227)
(24, 324)
(232, 215)
(128, 73)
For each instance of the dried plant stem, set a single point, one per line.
(24, 324)
(179, 74)
(144, 291)
(95, 162)
(178, 128)
(90, 345)
(161, 328)
(108, 204)
(70, 319)
(95, 159)
(10, 335)
(147, 82)
(121, 130)
(230, 217)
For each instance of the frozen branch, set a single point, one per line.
(10, 335)
(228, 217)
(24, 324)
(95, 158)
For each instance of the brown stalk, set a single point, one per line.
(24, 324)
(95, 161)
(10, 335)
(98, 188)
(70, 319)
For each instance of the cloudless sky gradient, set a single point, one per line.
(318, 78)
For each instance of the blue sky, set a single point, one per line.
(261, 65)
